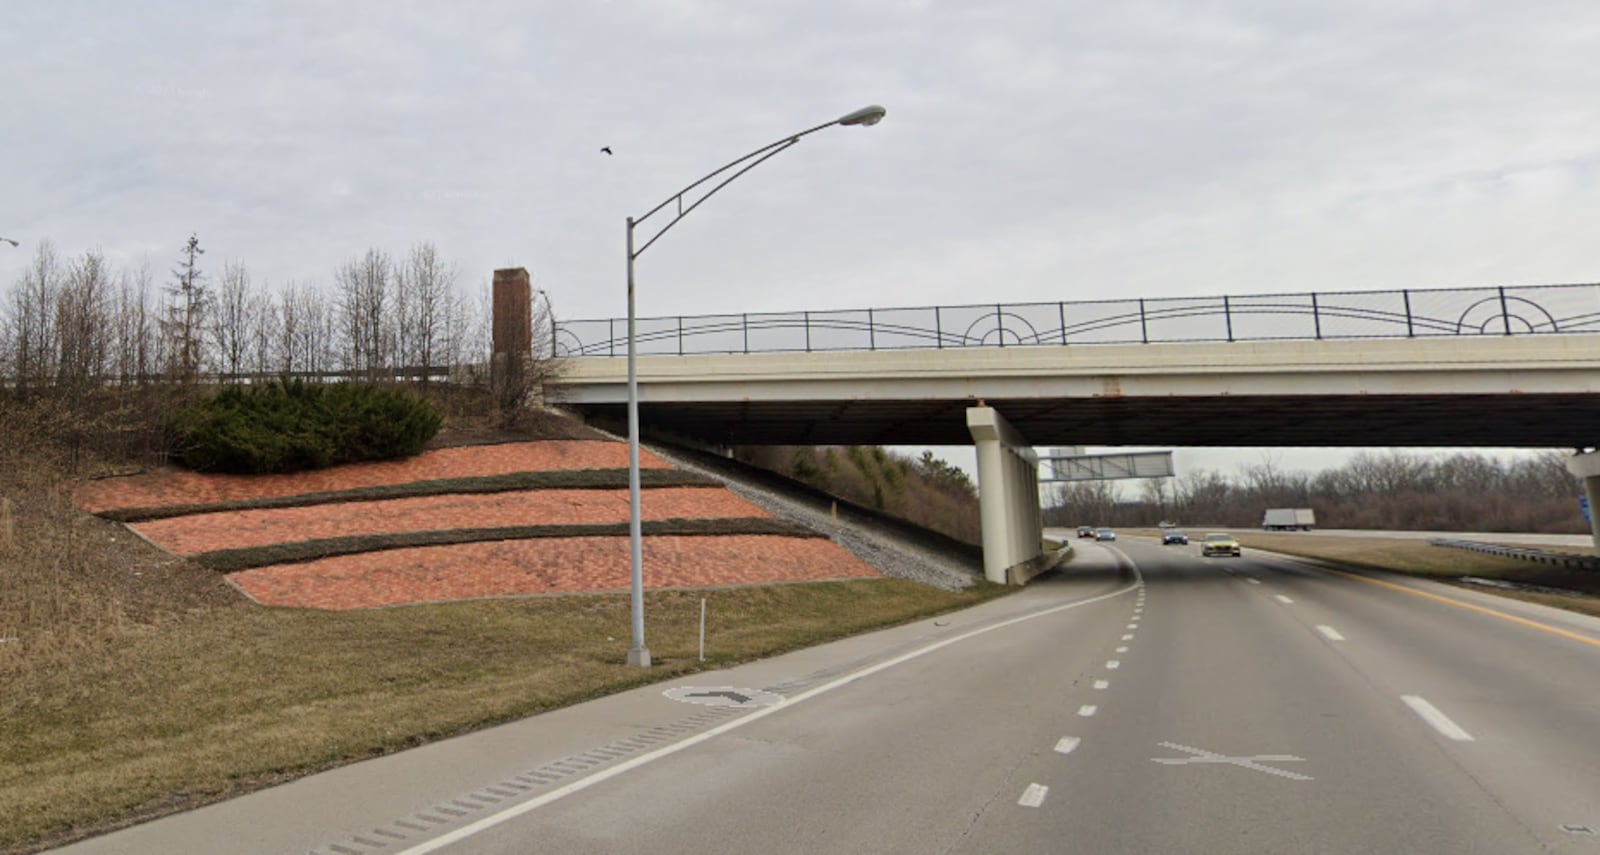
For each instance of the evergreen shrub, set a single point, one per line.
(288, 426)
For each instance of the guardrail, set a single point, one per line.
(1407, 313)
(1560, 559)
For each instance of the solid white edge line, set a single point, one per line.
(1034, 795)
(1438, 720)
(1331, 633)
(1067, 744)
(607, 774)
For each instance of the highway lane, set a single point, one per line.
(1259, 704)
(1203, 712)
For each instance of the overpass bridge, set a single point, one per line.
(1486, 367)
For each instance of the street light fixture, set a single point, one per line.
(638, 654)
(10, 241)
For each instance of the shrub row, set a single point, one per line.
(289, 426)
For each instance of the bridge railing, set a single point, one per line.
(1407, 313)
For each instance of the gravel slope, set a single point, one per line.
(892, 548)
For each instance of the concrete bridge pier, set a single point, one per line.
(1008, 494)
(1586, 465)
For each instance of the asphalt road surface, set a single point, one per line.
(1146, 700)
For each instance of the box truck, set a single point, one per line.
(1288, 519)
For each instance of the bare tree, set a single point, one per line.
(364, 287)
(186, 313)
(82, 322)
(33, 318)
(426, 292)
(132, 347)
(231, 318)
(306, 330)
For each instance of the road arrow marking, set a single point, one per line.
(724, 696)
(1252, 762)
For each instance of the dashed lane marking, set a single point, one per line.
(516, 810)
(1034, 795)
(1331, 633)
(1067, 744)
(1436, 719)
(1282, 599)
(1087, 710)
(1102, 684)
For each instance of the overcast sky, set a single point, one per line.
(1033, 151)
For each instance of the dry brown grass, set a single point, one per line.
(136, 684)
(238, 698)
(1419, 558)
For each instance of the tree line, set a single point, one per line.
(81, 321)
(1374, 490)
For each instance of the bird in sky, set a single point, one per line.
(606, 149)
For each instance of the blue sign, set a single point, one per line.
(1583, 505)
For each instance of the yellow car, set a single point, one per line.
(1218, 543)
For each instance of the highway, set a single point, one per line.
(1145, 700)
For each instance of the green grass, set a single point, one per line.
(232, 560)
(597, 479)
(231, 699)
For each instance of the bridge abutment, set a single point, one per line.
(1008, 494)
(1587, 467)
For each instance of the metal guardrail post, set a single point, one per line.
(1144, 327)
(744, 321)
(872, 334)
(1505, 311)
(805, 319)
(1061, 310)
(1227, 315)
(611, 343)
(680, 335)
(1405, 294)
(1316, 317)
(938, 329)
(1000, 324)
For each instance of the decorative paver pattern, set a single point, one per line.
(160, 489)
(188, 535)
(506, 568)
(388, 577)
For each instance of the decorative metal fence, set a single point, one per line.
(1520, 310)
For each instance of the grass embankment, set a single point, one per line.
(1419, 558)
(238, 698)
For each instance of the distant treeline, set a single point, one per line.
(78, 321)
(1393, 490)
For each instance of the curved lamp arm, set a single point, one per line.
(864, 116)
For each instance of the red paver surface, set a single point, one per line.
(161, 489)
(195, 533)
(504, 568)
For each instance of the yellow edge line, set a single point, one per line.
(1543, 627)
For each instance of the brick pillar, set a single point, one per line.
(513, 311)
(513, 330)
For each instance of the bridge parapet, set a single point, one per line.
(1406, 313)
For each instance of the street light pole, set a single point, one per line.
(638, 653)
